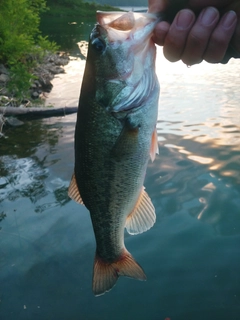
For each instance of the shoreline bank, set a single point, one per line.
(63, 96)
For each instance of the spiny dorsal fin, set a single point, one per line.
(154, 145)
(73, 191)
(143, 215)
(105, 274)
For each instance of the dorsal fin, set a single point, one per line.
(73, 191)
(154, 145)
(143, 215)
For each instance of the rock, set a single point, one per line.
(47, 66)
(3, 69)
(33, 86)
(4, 77)
(58, 59)
(4, 91)
(62, 61)
(35, 95)
(37, 83)
(51, 59)
(46, 85)
(56, 70)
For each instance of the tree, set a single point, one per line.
(19, 28)
(20, 40)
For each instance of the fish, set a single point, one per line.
(115, 136)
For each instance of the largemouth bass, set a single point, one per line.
(114, 138)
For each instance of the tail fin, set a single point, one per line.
(105, 275)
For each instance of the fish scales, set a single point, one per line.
(114, 137)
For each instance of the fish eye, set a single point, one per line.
(98, 44)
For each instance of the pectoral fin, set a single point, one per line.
(143, 215)
(73, 191)
(154, 145)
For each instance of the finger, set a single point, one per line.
(176, 37)
(160, 32)
(199, 35)
(220, 38)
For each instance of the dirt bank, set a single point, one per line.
(62, 93)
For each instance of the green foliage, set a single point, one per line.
(20, 81)
(66, 3)
(76, 7)
(38, 6)
(46, 45)
(19, 25)
(20, 39)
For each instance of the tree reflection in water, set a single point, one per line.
(26, 156)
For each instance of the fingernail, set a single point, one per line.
(229, 19)
(208, 16)
(184, 19)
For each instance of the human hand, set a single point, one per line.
(193, 39)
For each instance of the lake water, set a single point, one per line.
(191, 256)
(67, 31)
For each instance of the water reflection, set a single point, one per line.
(204, 99)
(204, 140)
(180, 183)
(28, 153)
(69, 31)
(2, 216)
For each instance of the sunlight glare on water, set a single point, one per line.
(201, 104)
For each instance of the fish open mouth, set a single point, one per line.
(127, 53)
(120, 26)
(118, 21)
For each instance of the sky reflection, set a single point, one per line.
(200, 104)
(203, 98)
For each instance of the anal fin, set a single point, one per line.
(143, 215)
(73, 191)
